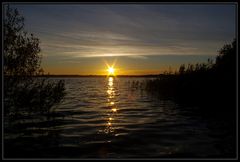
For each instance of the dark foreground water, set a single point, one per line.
(106, 118)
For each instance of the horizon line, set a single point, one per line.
(94, 75)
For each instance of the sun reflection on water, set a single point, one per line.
(114, 109)
(112, 106)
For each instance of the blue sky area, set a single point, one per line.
(144, 39)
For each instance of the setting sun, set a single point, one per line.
(111, 71)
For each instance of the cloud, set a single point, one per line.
(135, 31)
(138, 57)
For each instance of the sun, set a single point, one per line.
(111, 71)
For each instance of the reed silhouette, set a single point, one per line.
(208, 89)
(211, 84)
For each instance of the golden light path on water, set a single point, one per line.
(112, 106)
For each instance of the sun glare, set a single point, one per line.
(111, 71)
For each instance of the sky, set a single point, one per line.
(139, 39)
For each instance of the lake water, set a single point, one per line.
(107, 118)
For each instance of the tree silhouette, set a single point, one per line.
(21, 51)
(226, 60)
(24, 93)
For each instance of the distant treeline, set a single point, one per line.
(69, 76)
(211, 84)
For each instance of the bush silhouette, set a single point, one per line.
(24, 93)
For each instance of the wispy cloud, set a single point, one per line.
(137, 32)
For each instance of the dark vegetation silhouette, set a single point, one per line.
(29, 101)
(23, 92)
(211, 84)
(206, 89)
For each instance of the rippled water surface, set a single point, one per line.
(106, 118)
